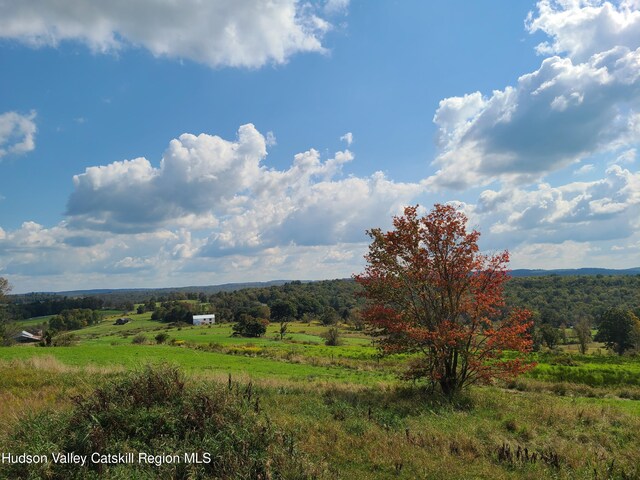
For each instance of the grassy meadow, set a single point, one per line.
(343, 410)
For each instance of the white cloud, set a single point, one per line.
(34, 251)
(17, 133)
(628, 156)
(237, 33)
(600, 210)
(205, 183)
(573, 107)
(297, 209)
(579, 107)
(567, 254)
(210, 205)
(348, 138)
(36, 258)
(584, 169)
(336, 6)
(197, 175)
(559, 114)
(271, 140)
(582, 28)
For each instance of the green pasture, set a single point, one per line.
(347, 411)
(301, 355)
(592, 370)
(32, 322)
(192, 360)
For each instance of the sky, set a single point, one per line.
(157, 144)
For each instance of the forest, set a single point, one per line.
(555, 300)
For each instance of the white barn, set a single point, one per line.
(208, 319)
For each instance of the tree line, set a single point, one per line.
(51, 305)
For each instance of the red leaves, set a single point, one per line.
(430, 290)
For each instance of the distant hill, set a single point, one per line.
(208, 289)
(555, 296)
(523, 272)
(142, 293)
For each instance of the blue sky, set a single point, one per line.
(148, 144)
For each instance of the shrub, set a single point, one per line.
(139, 339)
(64, 340)
(156, 411)
(249, 326)
(161, 337)
(332, 337)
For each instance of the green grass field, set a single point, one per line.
(346, 408)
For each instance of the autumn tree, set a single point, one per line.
(431, 292)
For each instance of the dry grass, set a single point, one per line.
(28, 386)
(51, 364)
(389, 431)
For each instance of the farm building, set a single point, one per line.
(208, 319)
(26, 337)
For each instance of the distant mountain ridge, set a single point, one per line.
(209, 289)
(525, 272)
(230, 287)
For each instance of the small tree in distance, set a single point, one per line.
(332, 337)
(617, 328)
(248, 326)
(582, 329)
(429, 291)
(5, 288)
(282, 312)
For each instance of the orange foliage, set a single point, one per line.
(431, 291)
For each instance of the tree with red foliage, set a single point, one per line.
(430, 291)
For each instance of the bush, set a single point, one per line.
(249, 326)
(139, 339)
(332, 337)
(64, 340)
(155, 411)
(161, 337)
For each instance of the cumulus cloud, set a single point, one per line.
(237, 33)
(600, 210)
(210, 204)
(297, 209)
(582, 28)
(17, 133)
(571, 108)
(219, 186)
(555, 116)
(33, 250)
(580, 106)
(197, 174)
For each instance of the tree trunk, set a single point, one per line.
(449, 386)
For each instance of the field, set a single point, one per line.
(350, 417)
